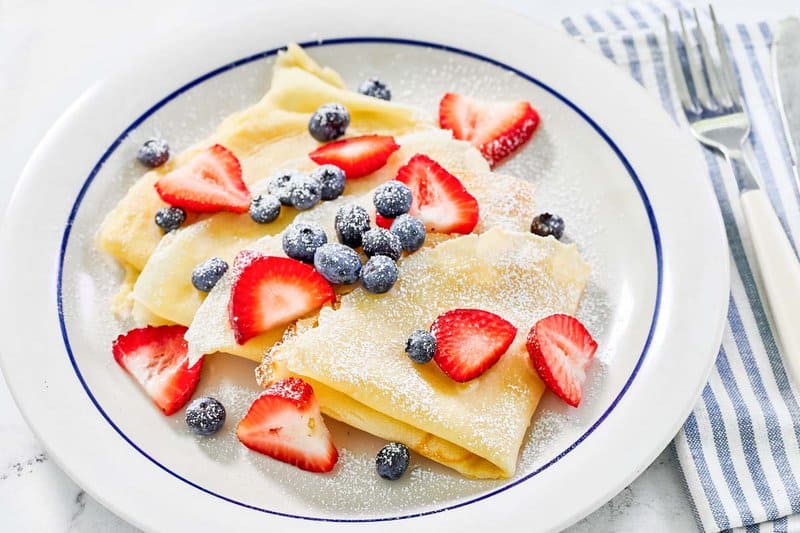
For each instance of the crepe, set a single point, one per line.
(503, 200)
(354, 356)
(264, 137)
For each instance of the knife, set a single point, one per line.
(786, 69)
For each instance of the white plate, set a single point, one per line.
(629, 184)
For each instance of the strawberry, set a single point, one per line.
(383, 222)
(211, 181)
(495, 128)
(285, 423)
(470, 341)
(157, 357)
(357, 156)
(272, 291)
(440, 200)
(561, 349)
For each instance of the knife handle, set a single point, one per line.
(780, 274)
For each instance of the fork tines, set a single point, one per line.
(705, 87)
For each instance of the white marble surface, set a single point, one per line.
(50, 52)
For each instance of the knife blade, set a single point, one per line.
(786, 69)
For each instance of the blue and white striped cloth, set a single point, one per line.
(740, 448)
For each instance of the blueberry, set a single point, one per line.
(375, 88)
(300, 241)
(410, 231)
(281, 185)
(265, 208)
(328, 122)
(379, 241)
(331, 178)
(392, 199)
(153, 153)
(337, 263)
(170, 218)
(392, 461)
(421, 346)
(306, 192)
(548, 224)
(208, 273)
(205, 415)
(351, 222)
(379, 274)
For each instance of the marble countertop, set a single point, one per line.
(49, 55)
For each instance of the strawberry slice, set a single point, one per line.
(357, 156)
(383, 222)
(495, 128)
(470, 341)
(561, 349)
(209, 182)
(157, 357)
(285, 423)
(272, 291)
(439, 199)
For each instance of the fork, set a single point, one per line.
(713, 106)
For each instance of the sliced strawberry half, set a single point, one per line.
(561, 349)
(285, 423)
(357, 156)
(211, 181)
(157, 357)
(496, 128)
(439, 198)
(470, 341)
(272, 291)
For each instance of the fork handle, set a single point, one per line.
(780, 274)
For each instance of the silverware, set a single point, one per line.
(713, 106)
(786, 68)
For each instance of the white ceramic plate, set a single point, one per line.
(628, 183)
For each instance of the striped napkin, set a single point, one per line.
(740, 448)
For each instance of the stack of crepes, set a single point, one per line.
(352, 352)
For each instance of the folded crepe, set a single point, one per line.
(354, 358)
(265, 137)
(503, 201)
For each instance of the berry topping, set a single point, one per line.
(272, 291)
(211, 181)
(392, 461)
(331, 179)
(548, 224)
(392, 199)
(410, 231)
(337, 263)
(157, 358)
(496, 128)
(379, 241)
(265, 208)
(375, 88)
(206, 275)
(281, 184)
(205, 416)
(329, 122)
(561, 349)
(285, 423)
(153, 153)
(383, 222)
(300, 241)
(357, 156)
(379, 274)
(170, 218)
(440, 201)
(470, 341)
(351, 222)
(306, 192)
(421, 346)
